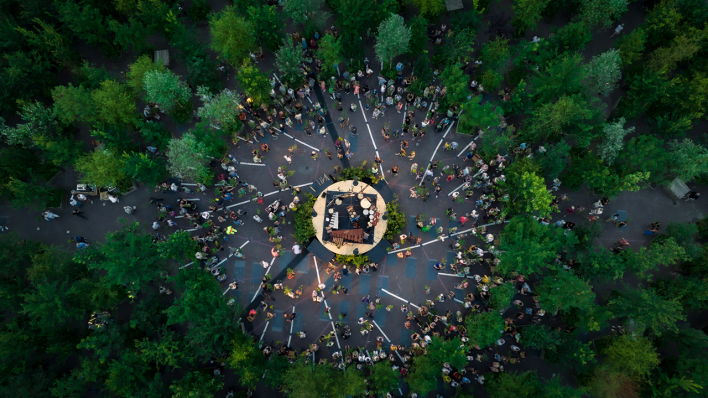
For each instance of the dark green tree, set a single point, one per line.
(143, 168)
(383, 378)
(484, 329)
(197, 385)
(648, 309)
(178, 246)
(423, 375)
(267, 25)
(456, 83)
(255, 84)
(540, 337)
(289, 60)
(501, 296)
(513, 385)
(419, 35)
(565, 290)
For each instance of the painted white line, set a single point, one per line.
(362, 112)
(292, 323)
(264, 330)
(186, 265)
(432, 101)
(401, 358)
(276, 77)
(243, 245)
(191, 199)
(400, 298)
(384, 334)
(251, 164)
(191, 230)
(318, 275)
(459, 301)
(448, 130)
(432, 241)
(372, 136)
(271, 193)
(303, 185)
(436, 150)
(189, 184)
(238, 204)
(456, 189)
(335, 335)
(423, 179)
(467, 146)
(259, 286)
(404, 249)
(303, 143)
(308, 98)
(444, 274)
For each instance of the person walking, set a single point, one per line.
(77, 212)
(618, 29)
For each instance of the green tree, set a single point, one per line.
(631, 46)
(570, 39)
(495, 55)
(603, 73)
(513, 385)
(527, 13)
(613, 142)
(26, 193)
(690, 160)
(456, 83)
(86, 22)
(187, 158)
(101, 168)
(562, 77)
(50, 306)
(143, 168)
(478, 115)
(203, 308)
(304, 230)
(607, 382)
(648, 309)
(527, 246)
(231, 35)
(304, 12)
(554, 160)
(430, 9)
(530, 196)
(305, 381)
(113, 105)
(25, 75)
(682, 48)
(573, 353)
(450, 351)
(255, 84)
(423, 375)
(383, 378)
(73, 104)
(130, 376)
(138, 69)
(396, 220)
(197, 384)
(218, 110)
(178, 246)
(647, 154)
(633, 355)
(601, 13)
(457, 48)
(393, 38)
(565, 290)
(247, 361)
(501, 296)
(484, 329)
(289, 59)
(165, 89)
(166, 350)
(128, 257)
(201, 71)
(540, 337)
(130, 35)
(103, 342)
(330, 52)
(570, 116)
(267, 25)
(419, 35)
(646, 91)
(606, 182)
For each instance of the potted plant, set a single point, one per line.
(288, 292)
(389, 308)
(427, 289)
(291, 273)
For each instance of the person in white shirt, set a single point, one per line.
(618, 29)
(296, 249)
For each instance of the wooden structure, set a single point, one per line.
(352, 235)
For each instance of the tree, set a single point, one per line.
(430, 8)
(165, 89)
(247, 361)
(101, 168)
(682, 48)
(393, 38)
(607, 382)
(573, 353)
(231, 35)
(112, 104)
(143, 168)
(383, 378)
(645, 153)
(26, 193)
(178, 246)
(255, 84)
(562, 77)
(267, 25)
(648, 309)
(631, 46)
(606, 182)
(304, 12)
(540, 337)
(456, 48)
(569, 39)
(527, 13)
(613, 142)
(187, 158)
(554, 160)
(289, 59)
(197, 385)
(603, 73)
(450, 351)
(601, 13)
(571, 116)
(419, 35)
(330, 52)
(456, 83)
(690, 159)
(203, 308)
(103, 342)
(566, 290)
(73, 104)
(423, 375)
(501, 296)
(218, 110)
(513, 385)
(129, 376)
(130, 35)
(138, 69)
(633, 355)
(484, 329)
(305, 381)
(50, 306)
(201, 71)
(86, 22)
(495, 55)
(353, 16)
(128, 257)
(478, 115)
(530, 196)
(527, 246)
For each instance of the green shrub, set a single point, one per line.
(304, 229)
(396, 221)
(357, 260)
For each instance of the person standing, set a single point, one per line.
(618, 29)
